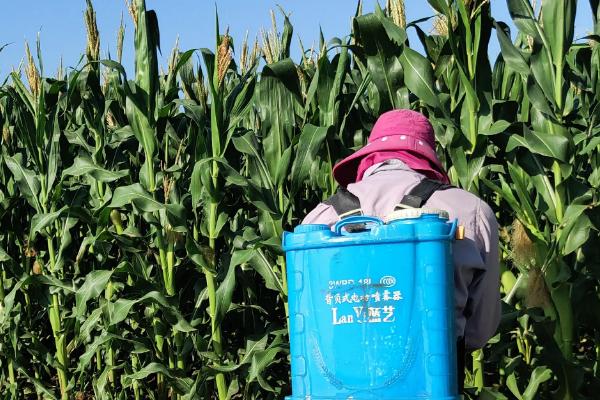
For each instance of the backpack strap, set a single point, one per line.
(419, 195)
(344, 203)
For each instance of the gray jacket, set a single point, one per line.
(476, 262)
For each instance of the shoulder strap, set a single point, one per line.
(421, 193)
(347, 204)
(344, 203)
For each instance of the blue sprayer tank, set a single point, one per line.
(372, 312)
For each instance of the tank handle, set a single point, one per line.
(452, 234)
(358, 219)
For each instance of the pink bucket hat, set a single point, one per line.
(403, 134)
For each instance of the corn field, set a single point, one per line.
(142, 215)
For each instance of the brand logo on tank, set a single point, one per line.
(387, 281)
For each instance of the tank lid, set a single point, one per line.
(409, 213)
(306, 228)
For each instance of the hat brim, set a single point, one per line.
(345, 171)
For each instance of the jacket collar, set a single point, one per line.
(393, 164)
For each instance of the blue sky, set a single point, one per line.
(62, 30)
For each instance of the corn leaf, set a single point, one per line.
(136, 195)
(309, 145)
(523, 17)
(513, 56)
(84, 165)
(95, 282)
(418, 76)
(27, 181)
(560, 16)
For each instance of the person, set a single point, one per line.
(399, 157)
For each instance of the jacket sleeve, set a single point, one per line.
(321, 214)
(483, 304)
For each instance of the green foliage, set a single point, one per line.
(142, 219)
